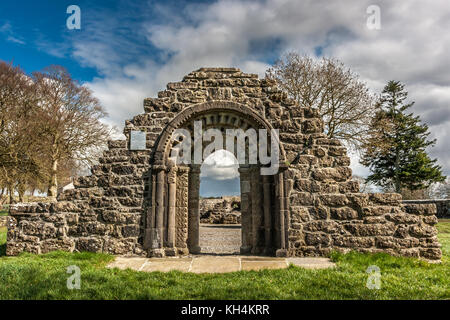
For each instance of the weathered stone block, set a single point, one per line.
(376, 210)
(430, 253)
(344, 213)
(371, 229)
(333, 199)
(314, 239)
(353, 242)
(385, 198)
(130, 231)
(396, 243)
(319, 212)
(420, 209)
(64, 244)
(91, 244)
(402, 218)
(327, 226)
(422, 231)
(301, 199)
(111, 216)
(117, 144)
(119, 246)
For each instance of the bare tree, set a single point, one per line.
(70, 121)
(440, 190)
(18, 139)
(343, 100)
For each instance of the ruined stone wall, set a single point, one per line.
(106, 211)
(225, 210)
(363, 222)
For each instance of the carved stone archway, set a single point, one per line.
(172, 223)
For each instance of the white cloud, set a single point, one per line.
(10, 35)
(220, 165)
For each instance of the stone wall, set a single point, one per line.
(225, 210)
(442, 205)
(310, 207)
(363, 222)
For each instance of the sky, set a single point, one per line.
(128, 50)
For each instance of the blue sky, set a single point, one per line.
(128, 50)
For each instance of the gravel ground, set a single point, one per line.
(220, 238)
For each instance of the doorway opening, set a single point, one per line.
(220, 204)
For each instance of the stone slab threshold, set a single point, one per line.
(216, 264)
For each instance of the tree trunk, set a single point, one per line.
(11, 195)
(21, 192)
(53, 184)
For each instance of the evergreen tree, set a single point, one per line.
(395, 151)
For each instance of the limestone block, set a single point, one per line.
(315, 239)
(353, 242)
(422, 231)
(91, 244)
(371, 229)
(344, 213)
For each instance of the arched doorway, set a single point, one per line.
(220, 214)
(172, 224)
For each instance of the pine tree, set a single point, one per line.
(395, 151)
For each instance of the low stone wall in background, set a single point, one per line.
(224, 210)
(442, 206)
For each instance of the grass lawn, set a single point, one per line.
(44, 277)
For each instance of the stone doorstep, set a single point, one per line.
(216, 264)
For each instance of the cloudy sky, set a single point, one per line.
(126, 51)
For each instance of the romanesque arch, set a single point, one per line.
(169, 229)
(136, 202)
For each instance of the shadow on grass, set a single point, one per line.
(3, 250)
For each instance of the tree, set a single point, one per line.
(70, 121)
(343, 100)
(18, 140)
(395, 151)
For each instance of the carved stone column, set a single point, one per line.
(172, 209)
(281, 215)
(246, 214)
(194, 210)
(181, 221)
(267, 214)
(256, 209)
(156, 241)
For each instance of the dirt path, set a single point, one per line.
(220, 238)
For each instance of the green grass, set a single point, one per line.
(44, 277)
